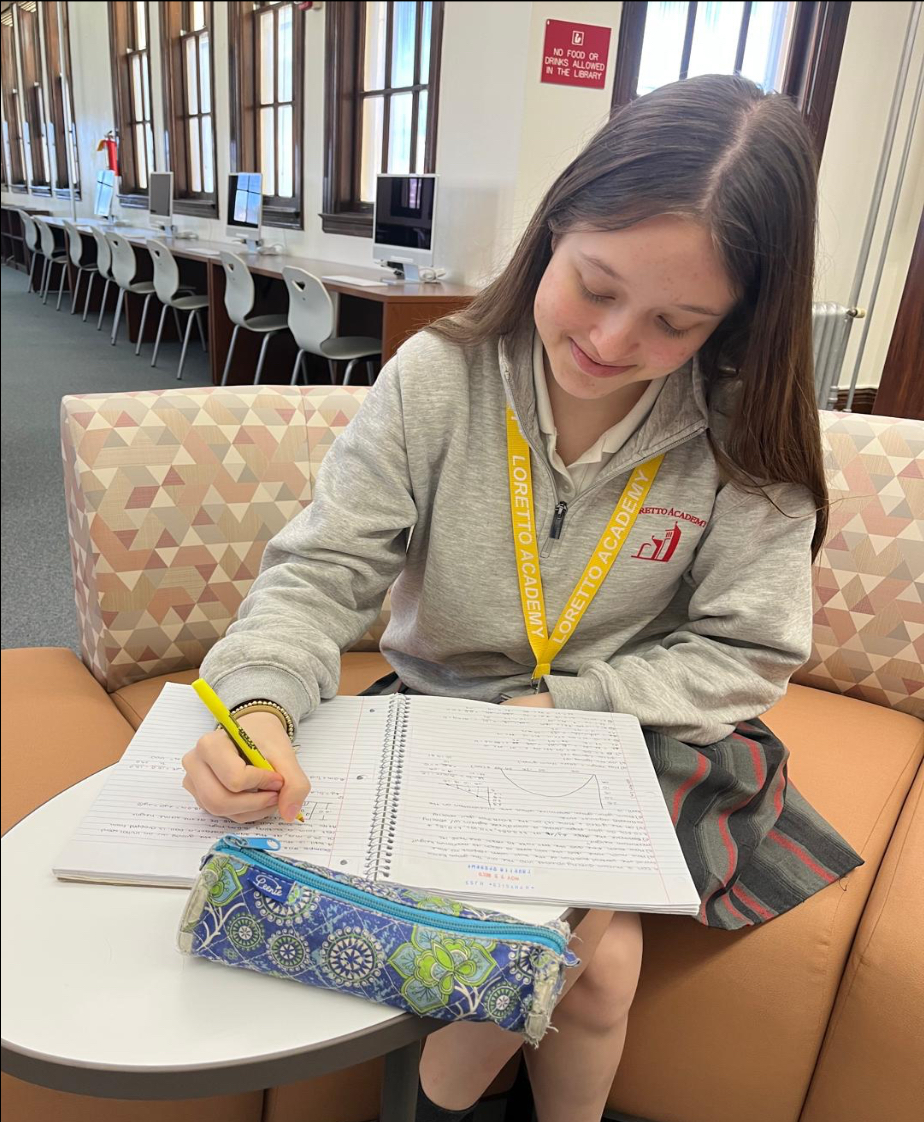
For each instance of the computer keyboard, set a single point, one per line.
(364, 282)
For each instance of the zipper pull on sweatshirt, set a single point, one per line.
(561, 509)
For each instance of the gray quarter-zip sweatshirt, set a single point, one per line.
(702, 619)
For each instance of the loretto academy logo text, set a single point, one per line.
(661, 547)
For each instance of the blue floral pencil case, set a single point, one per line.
(398, 946)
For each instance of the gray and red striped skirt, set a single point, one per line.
(754, 846)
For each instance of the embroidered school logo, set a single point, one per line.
(659, 548)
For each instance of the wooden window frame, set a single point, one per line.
(32, 102)
(14, 156)
(811, 67)
(174, 19)
(57, 83)
(244, 76)
(343, 212)
(121, 42)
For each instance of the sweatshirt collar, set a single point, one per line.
(679, 413)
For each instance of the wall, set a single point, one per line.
(504, 135)
(862, 100)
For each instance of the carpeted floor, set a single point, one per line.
(45, 355)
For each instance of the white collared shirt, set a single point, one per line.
(577, 477)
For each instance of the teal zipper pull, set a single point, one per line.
(271, 844)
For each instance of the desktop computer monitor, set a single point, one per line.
(105, 189)
(245, 207)
(160, 198)
(403, 226)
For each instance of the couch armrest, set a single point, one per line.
(58, 727)
(870, 1063)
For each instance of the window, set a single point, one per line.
(26, 24)
(14, 160)
(129, 38)
(792, 48)
(267, 91)
(186, 40)
(381, 102)
(61, 97)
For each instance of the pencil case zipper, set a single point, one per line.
(456, 925)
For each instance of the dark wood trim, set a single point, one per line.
(629, 52)
(811, 69)
(863, 400)
(814, 61)
(901, 388)
(287, 213)
(121, 37)
(742, 36)
(14, 173)
(173, 15)
(342, 210)
(688, 39)
(32, 99)
(358, 225)
(57, 81)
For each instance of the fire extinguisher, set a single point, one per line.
(111, 147)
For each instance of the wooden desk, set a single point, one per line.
(390, 312)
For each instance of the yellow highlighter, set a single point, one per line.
(245, 745)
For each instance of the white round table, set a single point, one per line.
(97, 1000)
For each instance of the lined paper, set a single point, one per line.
(558, 805)
(145, 828)
(503, 802)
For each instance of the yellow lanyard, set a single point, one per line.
(545, 647)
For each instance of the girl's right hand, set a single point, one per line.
(223, 784)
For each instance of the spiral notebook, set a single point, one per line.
(459, 797)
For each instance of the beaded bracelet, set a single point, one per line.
(264, 706)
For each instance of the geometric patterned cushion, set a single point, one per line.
(171, 498)
(869, 578)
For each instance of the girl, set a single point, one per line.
(647, 355)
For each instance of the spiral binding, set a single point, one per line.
(385, 809)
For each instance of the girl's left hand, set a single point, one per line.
(534, 700)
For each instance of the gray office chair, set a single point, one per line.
(104, 268)
(167, 286)
(312, 322)
(124, 267)
(75, 247)
(239, 298)
(30, 235)
(53, 256)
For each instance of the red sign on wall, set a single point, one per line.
(575, 54)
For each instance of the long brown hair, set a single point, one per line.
(720, 151)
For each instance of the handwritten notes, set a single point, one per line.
(451, 795)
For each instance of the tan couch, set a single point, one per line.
(817, 1017)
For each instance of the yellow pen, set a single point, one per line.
(245, 745)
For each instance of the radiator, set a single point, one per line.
(830, 330)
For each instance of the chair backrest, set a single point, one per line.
(103, 253)
(124, 265)
(166, 271)
(239, 291)
(29, 231)
(74, 242)
(311, 310)
(46, 237)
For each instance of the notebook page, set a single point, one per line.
(145, 828)
(555, 805)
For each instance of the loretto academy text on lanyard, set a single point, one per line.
(545, 647)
